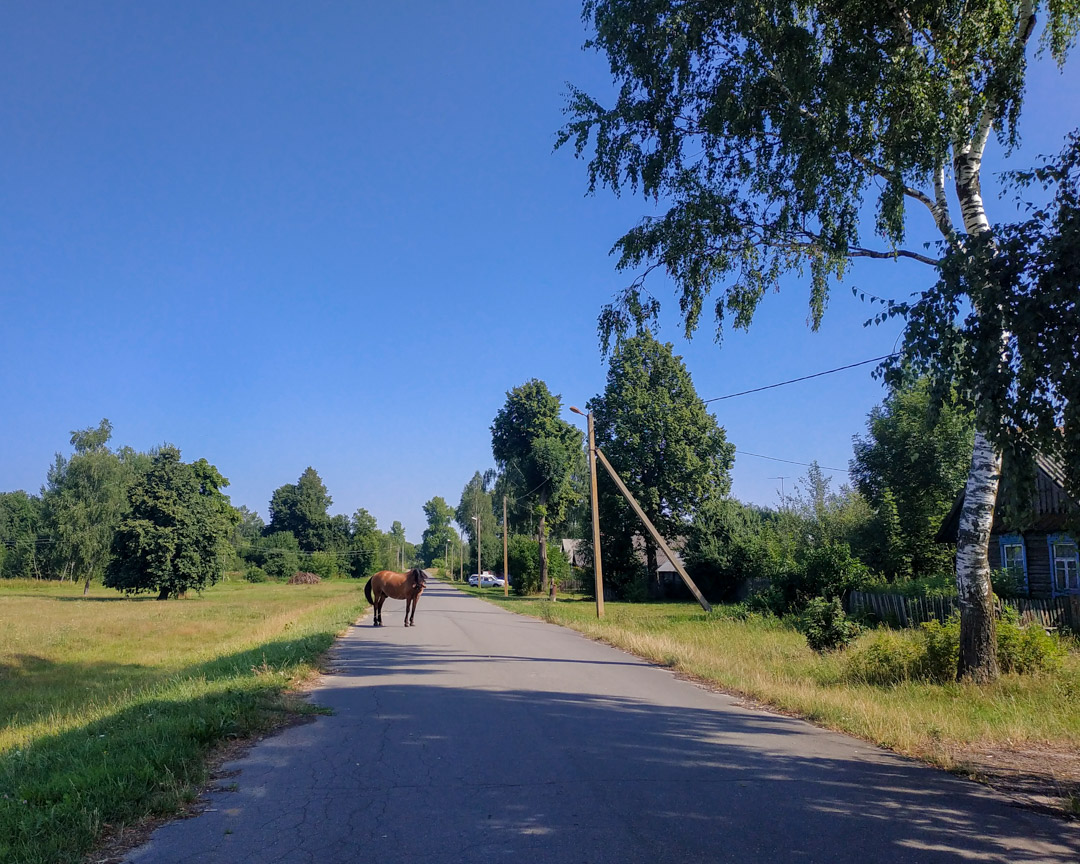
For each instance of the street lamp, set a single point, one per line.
(597, 573)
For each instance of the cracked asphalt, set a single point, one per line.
(479, 735)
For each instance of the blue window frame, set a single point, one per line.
(1014, 558)
(1064, 565)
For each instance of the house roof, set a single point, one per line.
(1052, 507)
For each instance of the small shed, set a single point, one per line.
(1041, 554)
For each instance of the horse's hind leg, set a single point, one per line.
(379, 600)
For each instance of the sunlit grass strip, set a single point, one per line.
(771, 663)
(119, 715)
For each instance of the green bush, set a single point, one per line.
(825, 625)
(324, 565)
(1027, 649)
(255, 574)
(1005, 584)
(885, 657)
(932, 653)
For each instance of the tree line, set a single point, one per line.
(674, 456)
(150, 522)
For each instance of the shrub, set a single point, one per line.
(255, 574)
(825, 625)
(942, 649)
(325, 564)
(1005, 584)
(1027, 649)
(932, 652)
(885, 657)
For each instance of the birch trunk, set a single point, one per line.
(978, 630)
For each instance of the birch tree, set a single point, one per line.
(764, 125)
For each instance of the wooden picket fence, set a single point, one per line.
(1053, 613)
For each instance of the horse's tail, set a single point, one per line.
(367, 592)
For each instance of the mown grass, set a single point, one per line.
(109, 707)
(770, 662)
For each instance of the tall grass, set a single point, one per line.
(770, 662)
(110, 706)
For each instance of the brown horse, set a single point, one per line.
(401, 586)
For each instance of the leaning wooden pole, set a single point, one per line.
(506, 557)
(652, 530)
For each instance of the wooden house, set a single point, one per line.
(1041, 553)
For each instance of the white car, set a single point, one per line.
(486, 580)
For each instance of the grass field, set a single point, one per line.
(952, 725)
(109, 707)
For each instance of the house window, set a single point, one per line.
(1065, 564)
(1014, 559)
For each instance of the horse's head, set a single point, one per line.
(419, 577)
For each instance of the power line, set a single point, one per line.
(803, 378)
(792, 461)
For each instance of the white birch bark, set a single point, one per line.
(978, 631)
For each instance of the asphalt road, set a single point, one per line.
(483, 736)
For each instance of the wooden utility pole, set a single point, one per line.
(597, 571)
(506, 556)
(652, 530)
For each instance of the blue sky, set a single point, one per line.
(335, 234)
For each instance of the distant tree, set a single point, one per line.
(84, 499)
(364, 549)
(531, 441)
(438, 534)
(657, 433)
(249, 528)
(279, 555)
(910, 466)
(301, 508)
(177, 522)
(22, 524)
(476, 500)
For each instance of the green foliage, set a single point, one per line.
(888, 657)
(667, 448)
(301, 508)
(325, 565)
(438, 534)
(22, 524)
(825, 624)
(1001, 323)
(255, 574)
(279, 555)
(84, 499)
(177, 521)
(539, 455)
(523, 554)
(766, 130)
(477, 500)
(910, 466)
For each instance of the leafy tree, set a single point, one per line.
(278, 554)
(477, 500)
(438, 532)
(530, 441)
(767, 125)
(249, 527)
(657, 433)
(22, 524)
(301, 508)
(177, 522)
(85, 497)
(910, 466)
(365, 544)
